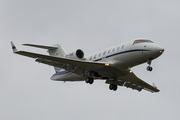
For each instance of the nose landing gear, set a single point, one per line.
(149, 68)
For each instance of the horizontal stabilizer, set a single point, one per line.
(42, 46)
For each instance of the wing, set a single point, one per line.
(132, 81)
(75, 66)
(51, 60)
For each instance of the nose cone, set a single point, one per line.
(160, 49)
(156, 51)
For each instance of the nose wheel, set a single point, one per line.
(149, 68)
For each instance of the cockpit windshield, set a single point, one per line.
(142, 41)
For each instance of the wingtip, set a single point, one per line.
(13, 47)
(154, 85)
(157, 90)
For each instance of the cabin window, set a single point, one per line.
(108, 51)
(122, 46)
(99, 54)
(113, 50)
(117, 48)
(95, 57)
(90, 58)
(104, 53)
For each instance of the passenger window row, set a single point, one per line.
(104, 53)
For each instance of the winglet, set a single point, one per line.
(154, 85)
(13, 47)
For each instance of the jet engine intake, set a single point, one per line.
(78, 54)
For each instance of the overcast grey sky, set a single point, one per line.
(26, 91)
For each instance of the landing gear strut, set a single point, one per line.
(149, 68)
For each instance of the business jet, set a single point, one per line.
(112, 65)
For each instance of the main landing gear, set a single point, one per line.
(149, 68)
(113, 87)
(90, 79)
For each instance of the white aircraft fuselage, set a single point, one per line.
(122, 57)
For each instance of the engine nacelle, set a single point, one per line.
(78, 54)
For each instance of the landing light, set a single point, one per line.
(130, 71)
(106, 64)
(161, 51)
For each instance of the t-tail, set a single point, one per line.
(56, 51)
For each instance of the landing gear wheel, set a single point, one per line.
(89, 80)
(113, 87)
(149, 68)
